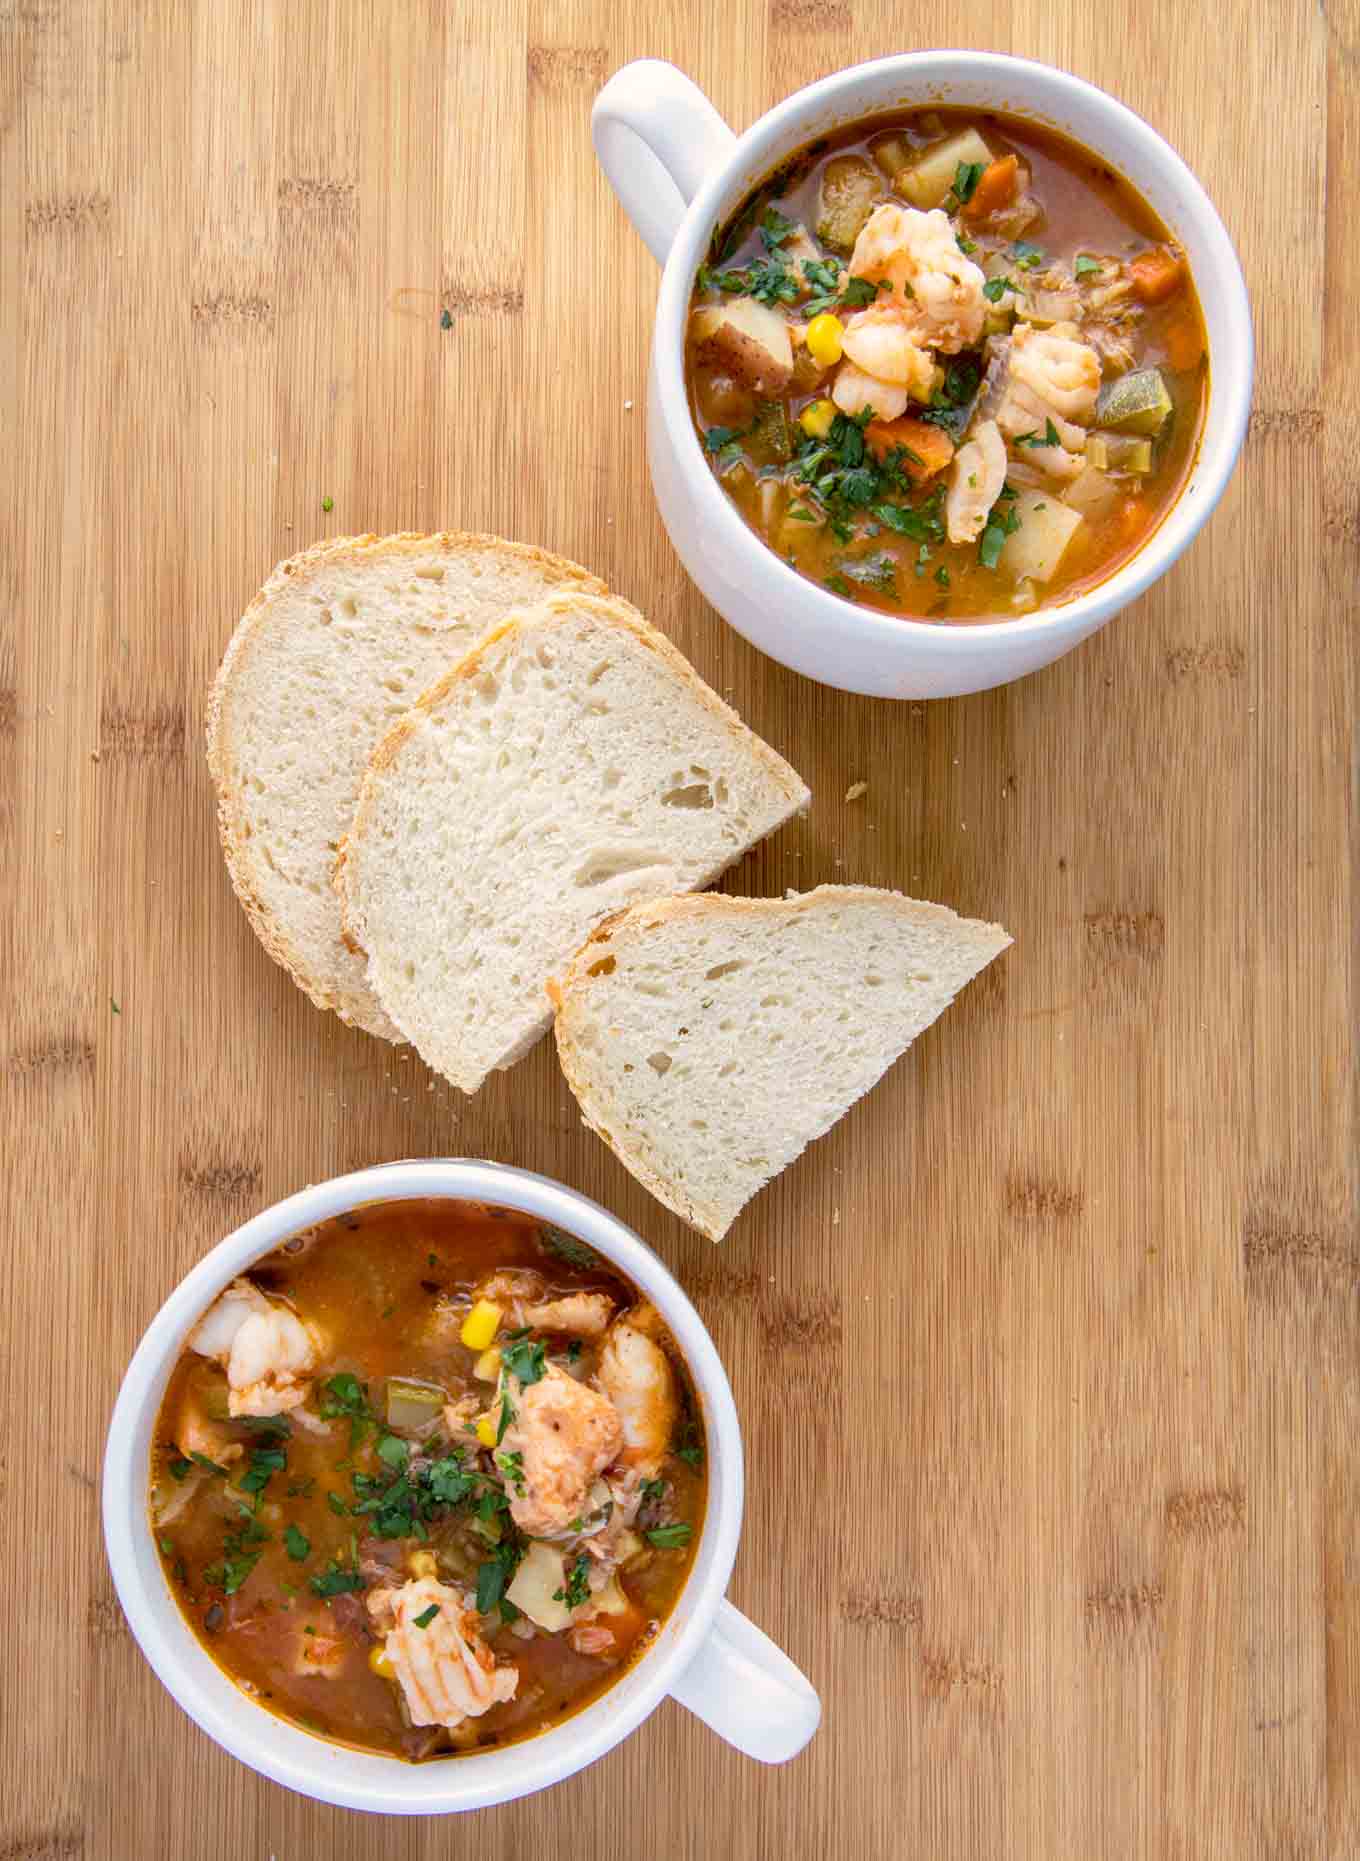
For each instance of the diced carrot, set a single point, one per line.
(996, 188)
(1133, 516)
(1156, 275)
(929, 448)
(1184, 342)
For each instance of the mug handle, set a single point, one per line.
(657, 137)
(748, 1691)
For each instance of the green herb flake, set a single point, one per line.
(1000, 524)
(297, 1544)
(328, 503)
(942, 576)
(506, 1417)
(774, 229)
(670, 1537)
(1049, 436)
(336, 1581)
(839, 585)
(336, 1504)
(523, 1359)
(1028, 257)
(717, 437)
(113, 1004)
(446, 320)
(1084, 266)
(178, 1467)
(426, 1616)
(210, 1466)
(966, 177)
(393, 1451)
(652, 1489)
(996, 288)
(576, 1589)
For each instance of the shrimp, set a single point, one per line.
(268, 1353)
(580, 1315)
(1022, 415)
(565, 1434)
(979, 474)
(855, 393)
(1062, 372)
(636, 1375)
(879, 342)
(932, 285)
(446, 1671)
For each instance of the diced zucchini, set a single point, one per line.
(892, 153)
(769, 441)
(1092, 492)
(1098, 450)
(542, 1572)
(413, 1406)
(927, 182)
(1126, 452)
(1047, 526)
(850, 185)
(1135, 403)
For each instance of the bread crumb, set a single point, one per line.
(628, 407)
(835, 1218)
(855, 790)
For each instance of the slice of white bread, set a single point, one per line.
(710, 1040)
(339, 642)
(571, 765)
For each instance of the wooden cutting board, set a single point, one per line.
(1049, 1356)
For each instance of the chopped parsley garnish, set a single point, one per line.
(1028, 257)
(494, 1575)
(774, 229)
(838, 584)
(768, 280)
(652, 1489)
(996, 288)
(336, 1504)
(209, 1466)
(859, 292)
(393, 1451)
(297, 1544)
(1083, 266)
(336, 1581)
(344, 1395)
(506, 1417)
(951, 406)
(523, 1359)
(922, 523)
(942, 576)
(574, 1352)
(1049, 436)
(689, 1447)
(966, 177)
(670, 1537)
(265, 1462)
(576, 1589)
(717, 437)
(966, 246)
(177, 1467)
(1001, 523)
(426, 1616)
(267, 1424)
(512, 1466)
(241, 1551)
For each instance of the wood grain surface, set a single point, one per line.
(1049, 1356)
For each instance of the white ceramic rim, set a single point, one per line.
(769, 140)
(301, 1760)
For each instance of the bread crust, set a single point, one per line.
(554, 609)
(568, 992)
(233, 816)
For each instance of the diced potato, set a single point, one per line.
(927, 182)
(748, 339)
(850, 185)
(1046, 528)
(611, 1599)
(1098, 450)
(1136, 403)
(542, 1572)
(892, 153)
(1092, 492)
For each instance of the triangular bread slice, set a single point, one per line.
(710, 1040)
(573, 764)
(339, 642)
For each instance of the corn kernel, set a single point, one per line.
(381, 1662)
(823, 338)
(486, 1430)
(481, 1324)
(816, 418)
(422, 1564)
(487, 1368)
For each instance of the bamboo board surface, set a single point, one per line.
(1049, 1356)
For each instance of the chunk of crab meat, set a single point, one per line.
(445, 1670)
(934, 286)
(565, 1433)
(269, 1354)
(979, 473)
(636, 1375)
(197, 1432)
(879, 342)
(856, 393)
(460, 1417)
(578, 1315)
(1062, 372)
